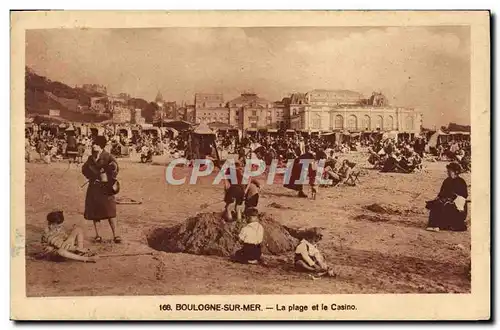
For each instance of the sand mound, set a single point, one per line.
(392, 209)
(209, 234)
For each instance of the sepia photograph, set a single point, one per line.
(224, 160)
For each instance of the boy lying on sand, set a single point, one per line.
(59, 244)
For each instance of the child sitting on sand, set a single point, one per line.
(58, 243)
(251, 236)
(308, 258)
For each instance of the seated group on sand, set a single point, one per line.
(391, 160)
(340, 175)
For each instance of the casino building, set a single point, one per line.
(343, 110)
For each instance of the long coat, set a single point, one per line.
(99, 202)
(296, 173)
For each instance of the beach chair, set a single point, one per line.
(353, 177)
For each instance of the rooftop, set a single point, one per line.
(248, 98)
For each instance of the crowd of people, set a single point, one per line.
(97, 153)
(406, 156)
(386, 155)
(49, 146)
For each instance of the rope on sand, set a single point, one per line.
(129, 201)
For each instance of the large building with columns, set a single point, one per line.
(343, 110)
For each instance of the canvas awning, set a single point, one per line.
(173, 130)
(272, 130)
(180, 125)
(290, 131)
(458, 133)
(48, 119)
(219, 125)
(251, 129)
(203, 129)
(107, 121)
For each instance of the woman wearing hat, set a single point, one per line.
(101, 170)
(449, 210)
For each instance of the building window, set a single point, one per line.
(316, 123)
(366, 122)
(254, 113)
(409, 123)
(379, 122)
(390, 123)
(339, 122)
(352, 122)
(253, 125)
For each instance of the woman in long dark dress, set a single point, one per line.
(449, 210)
(294, 182)
(101, 169)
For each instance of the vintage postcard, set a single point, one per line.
(250, 165)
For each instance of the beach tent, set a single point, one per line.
(124, 130)
(328, 136)
(170, 132)
(390, 135)
(434, 139)
(155, 131)
(459, 136)
(201, 143)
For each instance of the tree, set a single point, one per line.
(149, 112)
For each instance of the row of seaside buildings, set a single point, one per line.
(318, 110)
(315, 111)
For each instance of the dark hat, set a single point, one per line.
(252, 212)
(55, 217)
(100, 140)
(314, 234)
(455, 167)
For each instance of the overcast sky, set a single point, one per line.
(427, 68)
